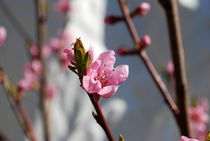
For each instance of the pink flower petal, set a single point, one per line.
(108, 91)
(70, 53)
(93, 67)
(107, 60)
(119, 75)
(183, 138)
(90, 85)
(3, 35)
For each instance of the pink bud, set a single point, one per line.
(145, 41)
(36, 66)
(3, 35)
(24, 85)
(64, 61)
(55, 44)
(170, 68)
(50, 91)
(143, 9)
(34, 51)
(63, 6)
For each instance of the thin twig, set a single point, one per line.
(41, 31)
(100, 118)
(177, 51)
(143, 55)
(17, 107)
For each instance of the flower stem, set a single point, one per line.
(100, 118)
(143, 55)
(177, 51)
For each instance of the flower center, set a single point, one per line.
(102, 77)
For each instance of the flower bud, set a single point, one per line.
(142, 9)
(170, 68)
(145, 41)
(63, 6)
(3, 35)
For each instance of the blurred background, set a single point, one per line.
(141, 113)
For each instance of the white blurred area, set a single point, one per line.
(191, 4)
(137, 111)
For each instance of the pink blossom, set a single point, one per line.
(3, 35)
(102, 78)
(64, 60)
(31, 75)
(183, 138)
(34, 50)
(36, 66)
(24, 85)
(55, 44)
(145, 41)
(143, 9)
(199, 119)
(50, 91)
(63, 6)
(59, 43)
(170, 68)
(70, 56)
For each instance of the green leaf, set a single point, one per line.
(12, 90)
(86, 61)
(79, 53)
(121, 138)
(208, 137)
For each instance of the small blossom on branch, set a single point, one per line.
(170, 68)
(50, 91)
(145, 41)
(199, 118)
(3, 35)
(142, 9)
(102, 78)
(31, 75)
(99, 76)
(63, 6)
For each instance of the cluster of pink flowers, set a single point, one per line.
(3, 35)
(32, 73)
(57, 44)
(199, 118)
(101, 77)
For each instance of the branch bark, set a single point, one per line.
(143, 55)
(17, 107)
(177, 51)
(41, 33)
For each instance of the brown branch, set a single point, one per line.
(17, 107)
(100, 117)
(41, 31)
(143, 55)
(177, 51)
